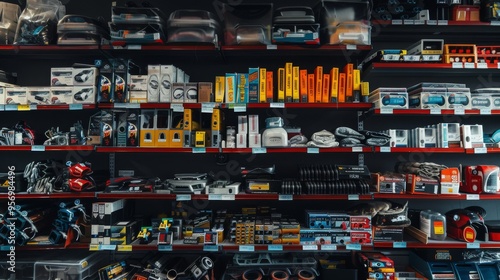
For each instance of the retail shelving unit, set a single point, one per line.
(167, 161)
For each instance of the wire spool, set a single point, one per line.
(305, 274)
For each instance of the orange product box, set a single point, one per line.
(311, 93)
(342, 80)
(303, 85)
(269, 86)
(325, 97)
(318, 75)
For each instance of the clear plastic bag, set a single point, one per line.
(8, 22)
(37, 24)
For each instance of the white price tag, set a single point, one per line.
(354, 247)
(459, 111)
(353, 197)
(75, 107)
(357, 149)
(199, 150)
(210, 248)
(442, 22)
(107, 247)
(10, 107)
(419, 22)
(38, 148)
(272, 47)
(275, 247)
(313, 150)
(277, 105)
(183, 197)
(165, 248)
(482, 150)
(207, 107)
(177, 107)
(309, 247)
(385, 149)
(435, 111)
(240, 108)
(246, 248)
(485, 111)
(473, 245)
(457, 65)
(399, 244)
(328, 247)
(215, 197)
(2, 107)
(259, 150)
(228, 197)
(482, 65)
(469, 65)
(496, 23)
(432, 22)
(285, 197)
(388, 111)
(127, 105)
(397, 21)
(351, 47)
(409, 22)
(32, 107)
(472, 197)
(498, 65)
(134, 47)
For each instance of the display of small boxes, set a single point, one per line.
(16, 95)
(460, 53)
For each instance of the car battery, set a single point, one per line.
(192, 26)
(433, 224)
(295, 25)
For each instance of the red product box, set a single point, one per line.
(361, 222)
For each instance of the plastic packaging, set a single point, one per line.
(8, 22)
(433, 224)
(38, 22)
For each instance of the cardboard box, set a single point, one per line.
(38, 95)
(450, 181)
(84, 94)
(205, 92)
(153, 83)
(61, 95)
(84, 76)
(61, 76)
(177, 93)
(190, 92)
(148, 126)
(138, 83)
(168, 75)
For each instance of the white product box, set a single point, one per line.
(243, 124)
(425, 137)
(399, 137)
(168, 76)
(396, 100)
(17, 95)
(428, 98)
(138, 83)
(191, 92)
(472, 136)
(254, 140)
(61, 76)
(153, 83)
(181, 78)
(39, 95)
(85, 76)
(84, 94)
(458, 98)
(138, 96)
(448, 135)
(481, 101)
(253, 124)
(61, 95)
(241, 140)
(177, 93)
(3, 91)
